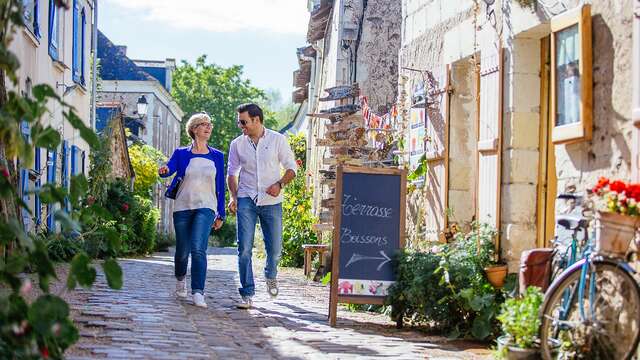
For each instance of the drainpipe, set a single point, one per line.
(94, 65)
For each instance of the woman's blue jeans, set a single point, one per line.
(271, 223)
(192, 236)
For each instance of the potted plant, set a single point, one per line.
(520, 326)
(494, 269)
(617, 215)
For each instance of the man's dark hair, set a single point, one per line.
(253, 110)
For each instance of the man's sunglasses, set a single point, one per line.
(242, 122)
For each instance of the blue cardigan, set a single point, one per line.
(180, 160)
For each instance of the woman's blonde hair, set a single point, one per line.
(195, 120)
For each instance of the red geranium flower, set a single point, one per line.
(299, 162)
(5, 172)
(124, 207)
(44, 352)
(618, 186)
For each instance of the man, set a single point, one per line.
(255, 186)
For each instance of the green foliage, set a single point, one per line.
(420, 170)
(447, 290)
(218, 91)
(519, 317)
(145, 160)
(226, 235)
(481, 241)
(127, 227)
(41, 329)
(61, 247)
(297, 219)
(164, 241)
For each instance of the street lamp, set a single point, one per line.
(142, 106)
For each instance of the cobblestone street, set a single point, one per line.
(145, 320)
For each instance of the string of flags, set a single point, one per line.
(375, 121)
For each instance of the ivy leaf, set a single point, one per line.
(49, 194)
(86, 133)
(113, 272)
(46, 311)
(82, 271)
(421, 170)
(481, 328)
(42, 92)
(47, 138)
(40, 259)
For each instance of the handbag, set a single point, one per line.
(172, 190)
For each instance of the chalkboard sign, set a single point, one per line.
(369, 220)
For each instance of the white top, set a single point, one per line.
(259, 166)
(198, 188)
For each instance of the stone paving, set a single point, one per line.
(144, 320)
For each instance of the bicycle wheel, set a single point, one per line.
(608, 327)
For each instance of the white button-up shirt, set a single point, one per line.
(259, 166)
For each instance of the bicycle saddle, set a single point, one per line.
(571, 222)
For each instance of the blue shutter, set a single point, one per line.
(82, 53)
(65, 170)
(51, 179)
(53, 30)
(74, 160)
(24, 172)
(36, 19)
(76, 42)
(37, 205)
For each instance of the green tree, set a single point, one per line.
(145, 160)
(218, 91)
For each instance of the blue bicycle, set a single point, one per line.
(592, 309)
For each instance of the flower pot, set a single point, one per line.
(496, 275)
(518, 353)
(614, 233)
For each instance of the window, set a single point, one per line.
(54, 30)
(571, 83)
(79, 21)
(31, 16)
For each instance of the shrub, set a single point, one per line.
(297, 219)
(61, 247)
(519, 317)
(226, 235)
(446, 290)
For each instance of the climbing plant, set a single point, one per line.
(42, 328)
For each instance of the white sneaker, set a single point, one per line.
(272, 287)
(246, 303)
(198, 300)
(181, 288)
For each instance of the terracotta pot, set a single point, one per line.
(496, 275)
(614, 233)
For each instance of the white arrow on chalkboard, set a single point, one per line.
(358, 257)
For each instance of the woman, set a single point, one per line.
(199, 203)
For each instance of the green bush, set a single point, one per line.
(226, 235)
(62, 248)
(447, 291)
(297, 219)
(164, 241)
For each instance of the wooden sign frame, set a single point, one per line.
(334, 297)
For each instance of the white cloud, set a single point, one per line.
(277, 16)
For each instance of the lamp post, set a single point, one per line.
(142, 106)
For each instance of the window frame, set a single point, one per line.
(583, 129)
(75, 43)
(54, 24)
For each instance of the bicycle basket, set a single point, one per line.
(614, 233)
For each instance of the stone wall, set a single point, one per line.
(377, 54)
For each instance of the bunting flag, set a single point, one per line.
(374, 121)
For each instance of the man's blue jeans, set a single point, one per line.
(192, 236)
(271, 223)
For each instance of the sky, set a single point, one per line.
(261, 35)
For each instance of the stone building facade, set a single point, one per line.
(55, 48)
(505, 161)
(349, 41)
